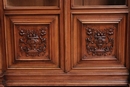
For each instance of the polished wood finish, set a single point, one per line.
(64, 43)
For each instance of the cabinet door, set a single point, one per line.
(98, 42)
(98, 48)
(32, 50)
(34, 47)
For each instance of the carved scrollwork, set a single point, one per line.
(32, 42)
(99, 42)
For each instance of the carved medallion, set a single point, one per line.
(32, 42)
(99, 42)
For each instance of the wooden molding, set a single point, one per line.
(2, 80)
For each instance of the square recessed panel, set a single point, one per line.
(31, 42)
(98, 41)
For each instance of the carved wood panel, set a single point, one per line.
(32, 41)
(99, 40)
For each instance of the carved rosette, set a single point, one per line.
(32, 42)
(99, 42)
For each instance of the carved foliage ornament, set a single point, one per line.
(32, 42)
(99, 42)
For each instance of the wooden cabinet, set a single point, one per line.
(64, 42)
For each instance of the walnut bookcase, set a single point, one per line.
(64, 42)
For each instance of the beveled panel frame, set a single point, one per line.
(12, 61)
(79, 23)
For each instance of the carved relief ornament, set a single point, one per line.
(99, 42)
(32, 42)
